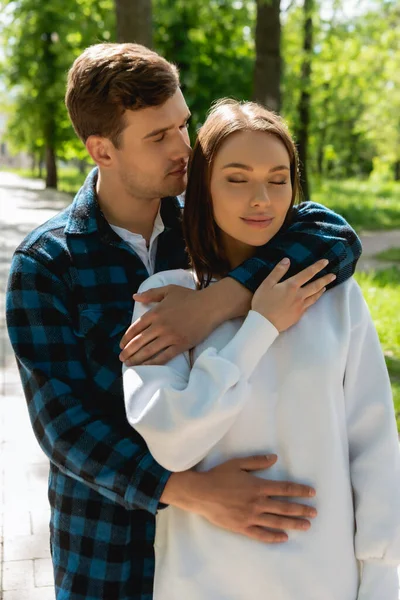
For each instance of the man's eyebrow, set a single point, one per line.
(163, 129)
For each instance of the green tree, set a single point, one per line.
(268, 64)
(41, 42)
(134, 21)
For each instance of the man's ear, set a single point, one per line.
(100, 150)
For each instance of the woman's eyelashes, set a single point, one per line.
(284, 182)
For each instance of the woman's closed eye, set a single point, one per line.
(279, 182)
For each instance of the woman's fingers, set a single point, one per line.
(316, 286)
(278, 272)
(309, 272)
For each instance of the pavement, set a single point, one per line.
(25, 570)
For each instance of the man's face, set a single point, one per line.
(151, 160)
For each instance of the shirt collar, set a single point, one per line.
(86, 216)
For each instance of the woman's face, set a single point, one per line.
(251, 191)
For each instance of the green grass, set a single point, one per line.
(366, 205)
(381, 290)
(391, 254)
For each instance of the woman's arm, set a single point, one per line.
(374, 458)
(182, 413)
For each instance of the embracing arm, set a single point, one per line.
(80, 441)
(181, 412)
(315, 232)
(183, 318)
(374, 458)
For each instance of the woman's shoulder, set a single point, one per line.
(182, 277)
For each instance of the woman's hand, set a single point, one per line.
(284, 303)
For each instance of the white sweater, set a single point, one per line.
(319, 397)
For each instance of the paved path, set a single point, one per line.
(26, 572)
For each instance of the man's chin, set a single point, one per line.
(177, 187)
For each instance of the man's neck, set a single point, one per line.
(123, 210)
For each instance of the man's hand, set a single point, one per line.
(179, 322)
(183, 317)
(284, 303)
(231, 497)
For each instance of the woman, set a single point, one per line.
(317, 394)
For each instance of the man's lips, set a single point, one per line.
(258, 221)
(179, 172)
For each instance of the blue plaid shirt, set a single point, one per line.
(69, 302)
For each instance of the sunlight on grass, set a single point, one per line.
(364, 204)
(391, 254)
(381, 290)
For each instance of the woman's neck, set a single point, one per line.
(236, 252)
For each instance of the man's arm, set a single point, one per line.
(89, 448)
(79, 440)
(314, 232)
(184, 318)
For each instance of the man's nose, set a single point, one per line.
(182, 149)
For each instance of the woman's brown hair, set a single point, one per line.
(201, 232)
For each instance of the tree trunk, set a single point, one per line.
(397, 170)
(134, 21)
(304, 103)
(51, 167)
(267, 71)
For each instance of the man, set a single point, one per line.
(70, 299)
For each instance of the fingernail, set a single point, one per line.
(325, 262)
(270, 456)
(285, 261)
(333, 277)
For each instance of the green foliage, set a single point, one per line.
(41, 40)
(212, 44)
(365, 204)
(391, 254)
(381, 291)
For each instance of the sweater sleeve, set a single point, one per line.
(314, 232)
(182, 413)
(374, 458)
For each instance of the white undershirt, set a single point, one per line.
(137, 242)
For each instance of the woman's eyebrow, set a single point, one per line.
(238, 166)
(279, 168)
(235, 165)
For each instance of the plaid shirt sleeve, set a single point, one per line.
(314, 232)
(80, 442)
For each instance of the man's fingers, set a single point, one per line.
(278, 272)
(147, 352)
(257, 463)
(135, 329)
(138, 342)
(282, 523)
(165, 356)
(290, 509)
(306, 274)
(263, 535)
(152, 295)
(287, 488)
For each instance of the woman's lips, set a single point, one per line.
(258, 222)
